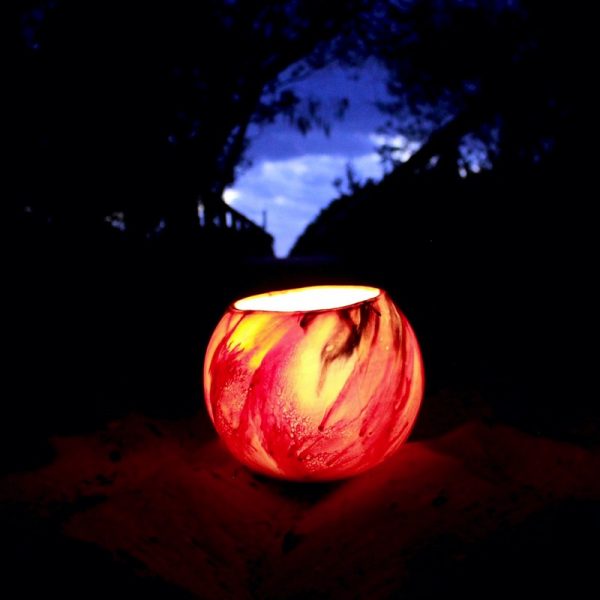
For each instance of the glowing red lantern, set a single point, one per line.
(315, 383)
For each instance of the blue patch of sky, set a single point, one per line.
(292, 175)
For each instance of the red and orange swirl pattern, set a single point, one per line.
(315, 394)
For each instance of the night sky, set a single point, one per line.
(291, 175)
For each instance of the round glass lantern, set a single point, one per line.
(313, 384)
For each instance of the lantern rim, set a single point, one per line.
(308, 299)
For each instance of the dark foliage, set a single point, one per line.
(491, 255)
(142, 109)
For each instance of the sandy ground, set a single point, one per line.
(157, 508)
(496, 495)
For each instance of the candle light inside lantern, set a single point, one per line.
(315, 383)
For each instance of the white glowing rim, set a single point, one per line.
(318, 297)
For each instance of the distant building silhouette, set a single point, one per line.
(224, 226)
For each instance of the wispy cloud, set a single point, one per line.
(402, 147)
(292, 175)
(293, 190)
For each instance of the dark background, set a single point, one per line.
(120, 119)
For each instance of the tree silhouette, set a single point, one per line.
(492, 86)
(144, 108)
(507, 73)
